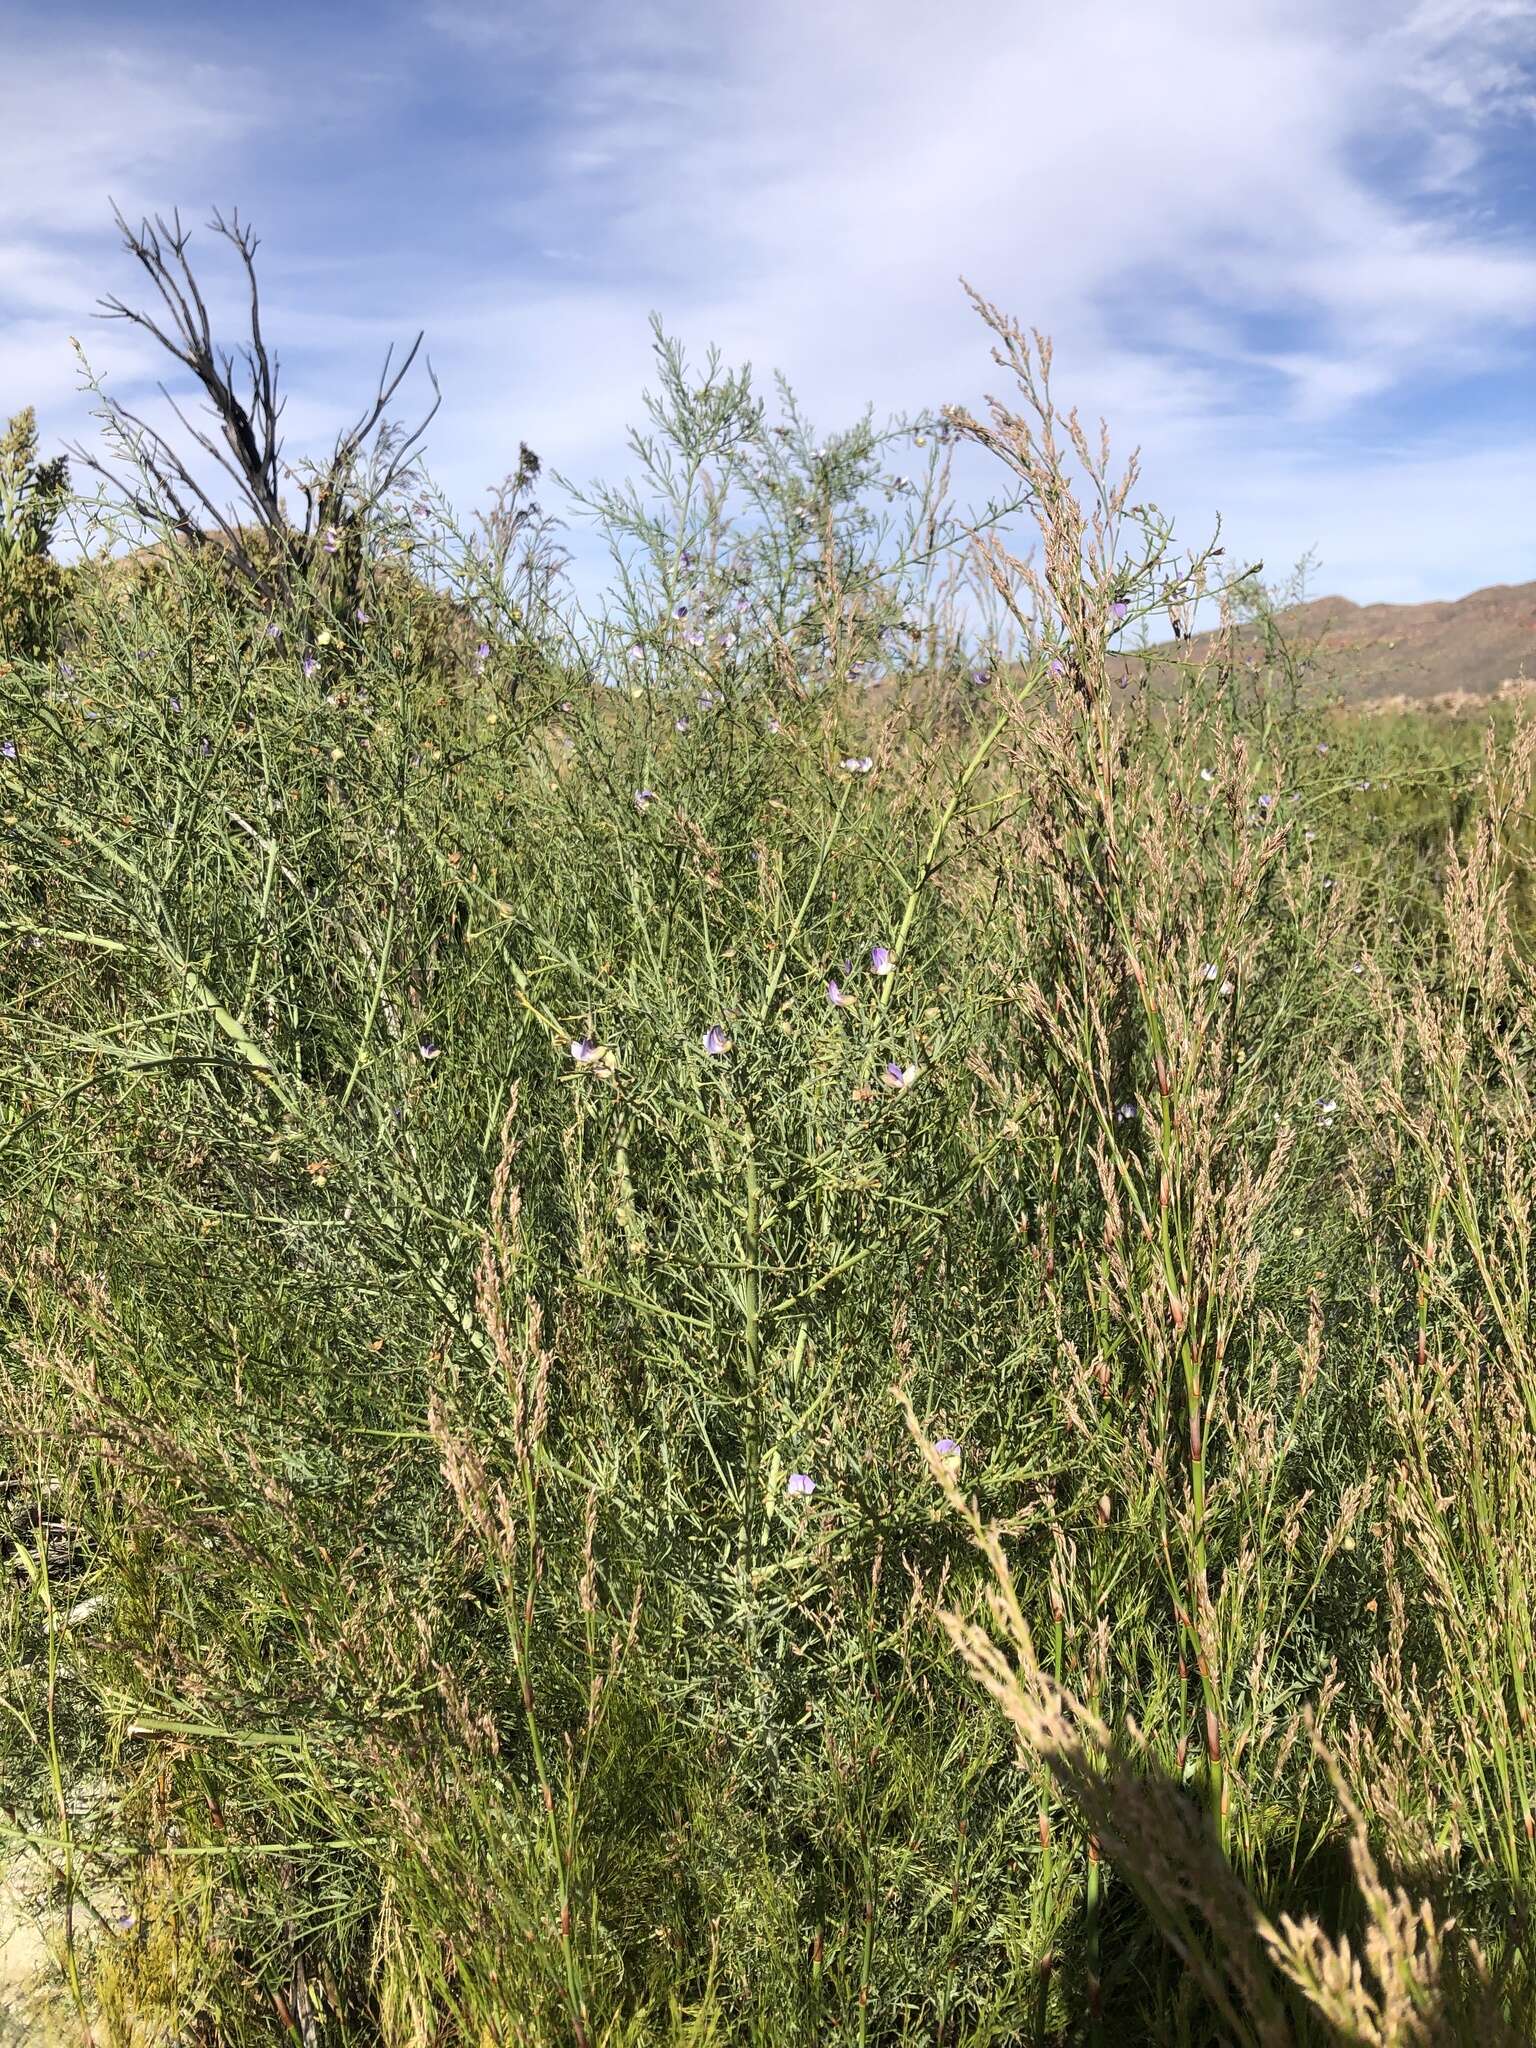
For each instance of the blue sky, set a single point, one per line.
(1288, 247)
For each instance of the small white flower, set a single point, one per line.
(857, 764)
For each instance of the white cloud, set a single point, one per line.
(1193, 201)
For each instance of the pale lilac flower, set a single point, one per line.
(428, 1050)
(772, 725)
(1358, 968)
(1208, 971)
(727, 642)
(362, 616)
(707, 700)
(309, 664)
(857, 764)
(1326, 1111)
(1126, 1113)
(644, 798)
(680, 724)
(898, 1077)
(801, 1486)
(716, 1042)
(586, 1052)
(946, 1447)
(1322, 746)
(274, 631)
(483, 651)
(980, 678)
(1265, 802)
(679, 611)
(1309, 836)
(66, 670)
(1362, 785)
(1119, 609)
(880, 960)
(1058, 667)
(7, 750)
(838, 996)
(693, 638)
(173, 705)
(634, 653)
(331, 542)
(686, 559)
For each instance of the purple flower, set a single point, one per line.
(946, 1447)
(772, 725)
(309, 664)
(880, 960)
(7, 750)
(428, 1050)
(1119, 609)
(716, 1042)
(586, 1052)
(1126, 1113)
(693, 638)
(274, 631)
(1265, 802)
(857, 764)
(679, 611)
(483, 651)
(893, 1075)
(205, 746)
(686, 559)
(1058, 667)
(680, 725)
(644, 798)
(837, 996)
(66, 671)
(801, 1486)
(980, 677)
(173, 705)
(331, 542)
(362, 616)
(1322, 746)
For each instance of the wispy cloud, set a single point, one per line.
(1283, 244)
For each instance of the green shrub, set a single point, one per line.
(506, 1151)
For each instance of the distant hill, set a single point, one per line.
(1464, 649)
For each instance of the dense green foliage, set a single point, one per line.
(32, 495)
(472, 1195)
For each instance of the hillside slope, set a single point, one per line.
(1467, 646)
